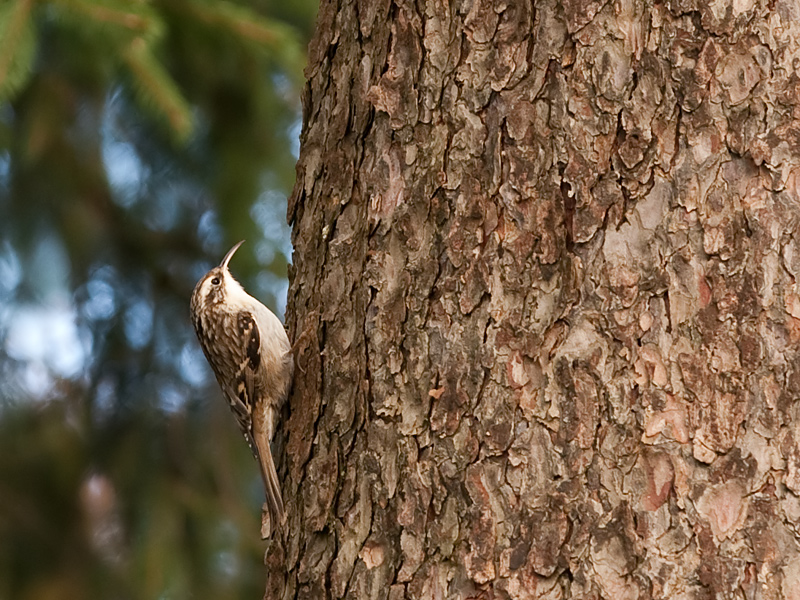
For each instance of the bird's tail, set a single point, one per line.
(272, 487)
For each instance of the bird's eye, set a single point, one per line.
(215, 281)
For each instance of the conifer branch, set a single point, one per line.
(156, 87)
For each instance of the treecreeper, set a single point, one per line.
(250, 354)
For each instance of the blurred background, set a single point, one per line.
(138, 141)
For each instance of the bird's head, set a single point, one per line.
(217, 286)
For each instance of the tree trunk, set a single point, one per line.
(546, 277)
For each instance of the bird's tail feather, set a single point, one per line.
(272, 488)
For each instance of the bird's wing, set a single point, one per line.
(241, 391)
(248, 366)
(242, 410)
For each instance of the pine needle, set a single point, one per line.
(240, 21)
(136, 18)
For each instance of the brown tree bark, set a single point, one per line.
(546, 264)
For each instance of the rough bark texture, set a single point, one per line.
(547, 268)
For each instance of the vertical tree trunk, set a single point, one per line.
(546, 265)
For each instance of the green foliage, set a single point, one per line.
(126, 36)
(138, 139)
(17, 44)
(105, 532)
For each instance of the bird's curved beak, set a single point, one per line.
(229, 255)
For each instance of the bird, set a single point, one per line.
(250, 354)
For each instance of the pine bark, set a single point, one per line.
(545, 292)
